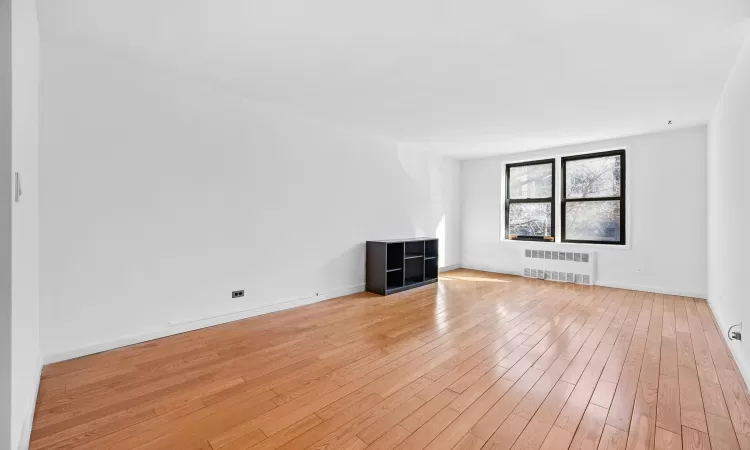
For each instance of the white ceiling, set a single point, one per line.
(462, 77)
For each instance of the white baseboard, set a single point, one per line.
(28, 421)
(734, 346)
(654, 289)
(183, 325)
(616, 285)
(483, 268)
(449, 268)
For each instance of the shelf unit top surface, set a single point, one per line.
(396, 241)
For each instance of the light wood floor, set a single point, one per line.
(476, 361)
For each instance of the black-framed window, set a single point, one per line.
(530, 200)
(593, 198)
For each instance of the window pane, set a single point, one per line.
(530, 219)
(591, 178)
(531, 181)
(593, 221)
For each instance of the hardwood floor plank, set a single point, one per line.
(390, 420)
(736, 401)
(595, 342)
(694, 439)
(287, 434)
(668, 405)
(721, 433)
(713, 399)
(613, 439)
(246, 441)
(466, 380)
(744, 441)
(622, 343)
(505, 436)
(478, 388)
(643, 423)
(650, 368)
(692, 414)
(685, 356)
(541, 423)
(469, 417)
(428, 410)
(703, 360)
(680, 315)
(557, 439)
(470, 442)
(498, 411)
(427, 432)
(347, 424)
(669, 362)
(575, 408)
(589, 432)
(603, 393)
(390, 439)
(621, 409)
(666, 440)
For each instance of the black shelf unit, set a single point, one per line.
(400, 264)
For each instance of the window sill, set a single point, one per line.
(570, 244)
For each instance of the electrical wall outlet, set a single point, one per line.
(735, 332)
(236, 294)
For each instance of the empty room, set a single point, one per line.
(289, 224)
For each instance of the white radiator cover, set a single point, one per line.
(562, 266)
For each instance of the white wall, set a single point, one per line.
(728, 212)
(161, 194)
(26, 362)
(666, 214)
(6, 194)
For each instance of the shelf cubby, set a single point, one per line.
(414, 249)
(431, 248)
(413, 271)
(395, 255)
(430, 268)
(397, 265)
(394, 280)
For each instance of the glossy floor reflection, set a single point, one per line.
(477, 361)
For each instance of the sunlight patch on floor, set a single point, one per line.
(472, 278)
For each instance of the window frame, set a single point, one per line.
(621, 198)
(550, 200)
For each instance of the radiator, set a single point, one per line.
(567, 267)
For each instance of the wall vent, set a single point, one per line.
(554, 265)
